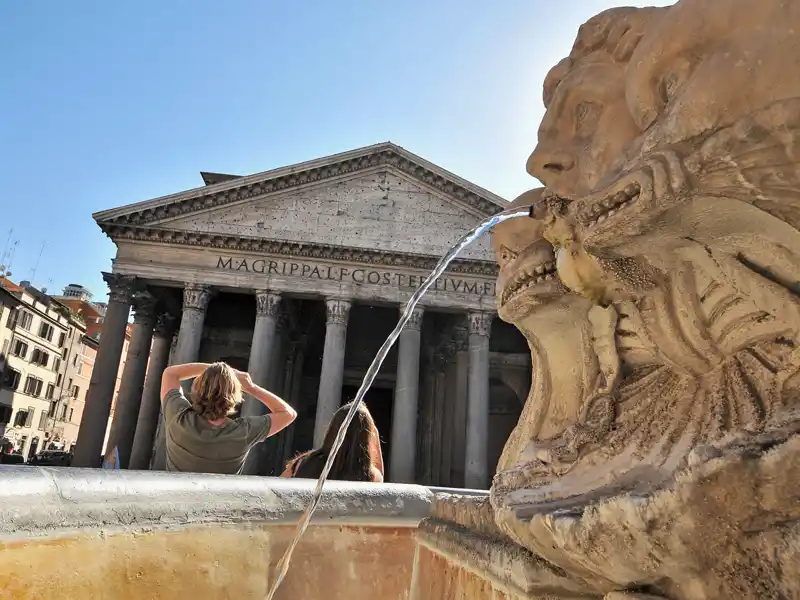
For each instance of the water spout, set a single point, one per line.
(369, 377)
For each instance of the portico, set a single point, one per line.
(298, 275)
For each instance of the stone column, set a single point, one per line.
(461, 392)
(259, 366)
(329, 397)
(476, 470)
(447, 412)
(123, 426)
(294, 383)
(187, 349)
(94, 422)
(195, 303)
(150, 409)
(438, 417)
(406, 397)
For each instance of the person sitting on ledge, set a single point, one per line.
(200, 436)
(359, 459)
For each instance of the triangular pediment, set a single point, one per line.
(380, 197)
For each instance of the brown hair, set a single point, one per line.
(354, 461)
(216, 392)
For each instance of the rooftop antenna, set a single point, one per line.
(36, 267)
(5, 249)
(5, 269)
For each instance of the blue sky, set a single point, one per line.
(109, 103)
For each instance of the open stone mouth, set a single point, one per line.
(527, 278)
(600, 211)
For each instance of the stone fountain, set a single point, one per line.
(657, 455)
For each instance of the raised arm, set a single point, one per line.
(282, 414)
(172, 377)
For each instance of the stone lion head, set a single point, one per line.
(659, 113)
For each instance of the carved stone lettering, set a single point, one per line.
(357, 275)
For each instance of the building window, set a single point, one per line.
(20, 418)
(63, 416)
(19, 348)
(46, 331)
(58, 379)
(64, 354)
(51, 389)
(29, 416)
(74, 360)
(40, 357)
(75, 391)
(13, 315)
(56, 364)
(25, 320)
(43, 421)
(5, 346)
(80, 368)
(70, 415)
(51, 412)
(33, 386)
(11, 378)
(61, 339)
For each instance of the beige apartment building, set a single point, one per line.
(49, 345)
(36, 339)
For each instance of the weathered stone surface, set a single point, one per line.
(352, 212)
(658, 451)
(88, 533)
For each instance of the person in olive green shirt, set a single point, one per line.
(200, 436)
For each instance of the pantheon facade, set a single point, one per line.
(298, 275)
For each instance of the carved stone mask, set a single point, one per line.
(527, 275)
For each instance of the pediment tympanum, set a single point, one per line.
(380, 198)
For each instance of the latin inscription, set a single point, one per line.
(333, 273)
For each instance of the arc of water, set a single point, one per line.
(369, 377)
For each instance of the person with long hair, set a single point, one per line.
(359, 459)
(201, 435)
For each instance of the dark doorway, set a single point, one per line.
(379, 401)
(34, 449)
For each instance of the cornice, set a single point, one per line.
(245, 188)
(310, 250)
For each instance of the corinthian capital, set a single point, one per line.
(480, 323)
(337, 311)
(415, 321)
(165, 325)
(196, 296)
(268, 304)
(120, 287)
(144, 308)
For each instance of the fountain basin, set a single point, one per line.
(86, 533)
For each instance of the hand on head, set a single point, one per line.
(244, 378)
